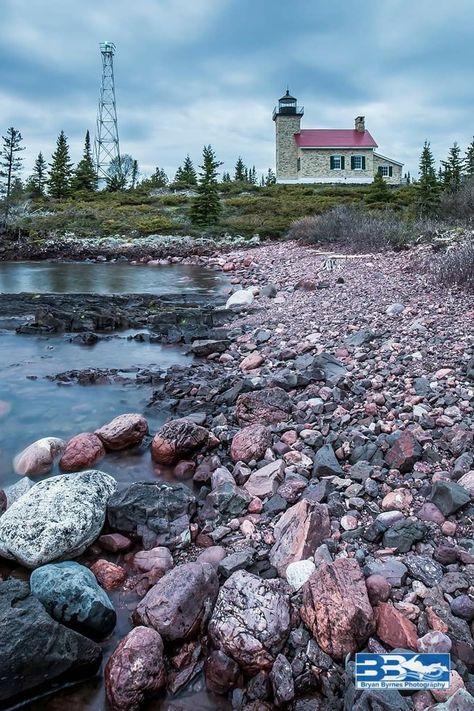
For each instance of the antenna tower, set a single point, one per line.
(106, 146)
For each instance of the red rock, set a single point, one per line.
(403, 454)
(398, 499)
(250, 443)
(228, 267)
(220, 672)
(394, 628)
(177, 439)
(265, 481)
(115, 542)
(430, 512)
(81, 452)
(135, 671)
(252, 361)
(378, 589)
(435, 622)
(212, 555)
(263, 406)
(184, 470)
(300, 530)
(255, 506)
(336, 607)
(123, 431)
(445, 694)
(108, 574)
(157, 559)
(289, 437)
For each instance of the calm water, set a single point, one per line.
(106, 278)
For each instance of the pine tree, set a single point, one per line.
(10, 164)
(239, 171)
(60, 174)
(252, 176)
(186, 174)
(262, 181)
(468, 163)
(159, 179)
(270, 178)
(134, 177)
(206, 208)
(378, 192)
(85, 177)
(428, 188)
(452, 168)
(37, 180)
(226, 177)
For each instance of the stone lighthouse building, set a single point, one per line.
(327, 155)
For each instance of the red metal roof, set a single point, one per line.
(334, 138)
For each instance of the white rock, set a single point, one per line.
(38, 457)
(394, 309)
(467, 481)
(243, 297)
(18, 489)
(299, 572)
(56, 519)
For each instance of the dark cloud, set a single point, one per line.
(190, 73)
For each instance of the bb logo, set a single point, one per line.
(401, 670)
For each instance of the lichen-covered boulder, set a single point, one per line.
(176, 440)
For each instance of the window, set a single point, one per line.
(385, 171)
(356, 163)
(298, 164)
(337, 163)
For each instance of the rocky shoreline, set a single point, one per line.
(326, 445)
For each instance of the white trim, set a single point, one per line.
(336, 148)
(390, 160)
(359, 180)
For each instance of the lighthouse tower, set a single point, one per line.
(287, 116)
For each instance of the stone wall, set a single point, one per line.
(316, 163)
(396, 178)
(286, 148)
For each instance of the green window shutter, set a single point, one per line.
(342, 162)
(390, 171)
(379, 171)
(332, 162)
(352, 162)
(363, 162)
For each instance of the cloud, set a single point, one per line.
(210, 71)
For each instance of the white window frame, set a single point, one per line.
(336, 157)
(384, 171)
(357, 159)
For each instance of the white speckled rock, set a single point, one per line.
(56, 519)
(38, 457)
(243, 297)
(299, 572)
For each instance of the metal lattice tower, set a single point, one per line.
(106, 146)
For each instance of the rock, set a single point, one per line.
(389, 568)
(115, 542)
(184, 470)
(135, 671)
(449, 497)
(398, 500)
(265, 481)
(250, 622)
(263, 406)
(252, 361)
(360, 338)
(467, 482)
(109, 575)
(374, 700)
(403, 534)
(180, 604)
(434, 642)
(34, 648)
(57, 518)
(204, 348)
(269, 290)
(281, 677)
(336, 607)
(240, 560)
(212, 555)
(81, 451)
(240, 299)
(301, 529)
(220, 672)
(299, 572)
(424, 568)
(430, 512)
(177, 439)
(461, 700)
(395, 629)
(325, 463)
(123, 431)
(71, 595)
(332, 368)
(404, 453)
(378, 589)
(226, 501)
(463, 606)
(250, 443)
(456, 684)
(38, 458)
(394, 309)
(13, 492)
(158, 558)
(159, 513)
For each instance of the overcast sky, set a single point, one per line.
(192, 72)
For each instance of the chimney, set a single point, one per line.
(360, 124)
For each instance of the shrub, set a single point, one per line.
(456, 265)
(459, 203)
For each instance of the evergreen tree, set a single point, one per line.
(85, 178)
(378, 192)
(246, 175)
(17, 191)
(428, 189)
(10, 164)
(120, 173)
(37, 181)
(206, 208)
(239, 171)
(252, 176)
(262, 181)
(60, 174)
(186, 175)
(134, 176)
(468, 163)
(270, 178)
(159, 179)
(226, 177)
(452, 168)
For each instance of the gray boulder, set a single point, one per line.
(325, 463)
(56, 519)
(72, 595)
